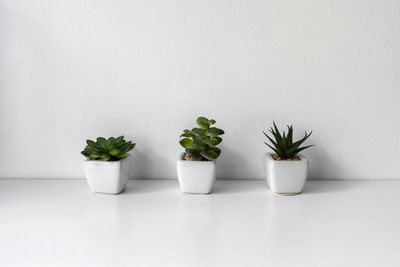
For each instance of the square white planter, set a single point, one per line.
(196, 177)
(286, 177)
(108, 177)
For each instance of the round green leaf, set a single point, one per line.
(193, 152)
(199, 132)
(199, 143)
(203, 123)
(209, 154)
(187, 143)
(213, 132)
(211, 141)
(216, 150)
(186, 135)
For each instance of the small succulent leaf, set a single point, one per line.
(270, 139)
(123, 147)
(85, 154)
(209, 155)
(212, 122)
(105, 157)
(101, 141)
(92, 143)
(115, 152)
(219, 139)
(213, 132)
(278, 134)
(107, 142)
(273, 148)
(187, 143)
(211, 141)
(299, 142)
(199, 143)
(193, 152)
(199, 132)
(290, 135)
(202, 122)
(119, 139)
(94, 153)
(110, 147)
(124, 151)
(216, 150)
(302, 148)
(186, 135)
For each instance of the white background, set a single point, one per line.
(72, 69)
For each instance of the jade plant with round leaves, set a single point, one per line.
(200, 143)
(111, 149)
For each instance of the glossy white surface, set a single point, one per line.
(286, 177)
(333, 223)
(108, 177)
(196, 177)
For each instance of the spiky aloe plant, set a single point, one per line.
(111, 149)
(200, 143)
(283, 144)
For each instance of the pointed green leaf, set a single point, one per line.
(115, 152)
(105, 157)
(119, 139)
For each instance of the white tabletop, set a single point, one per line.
(333, 223)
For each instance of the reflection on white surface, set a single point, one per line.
(334, 223)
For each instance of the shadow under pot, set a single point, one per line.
(108, 177)
(196, 177)
(286, 177)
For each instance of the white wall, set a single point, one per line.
(73, 69)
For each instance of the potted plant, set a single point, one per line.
(106, 165)
(196, 166)
(286, 169)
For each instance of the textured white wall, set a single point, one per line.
(73, 69)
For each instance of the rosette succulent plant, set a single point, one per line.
(283, 144)
(111, 149)
(200, 143)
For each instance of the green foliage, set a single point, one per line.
(200, 143)
(283, 144)
(111, 149)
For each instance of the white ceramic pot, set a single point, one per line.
(108, 177)
(286, 177)
(196, 177)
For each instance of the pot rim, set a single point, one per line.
(301, 156)
(182, 154)
(102, 162)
